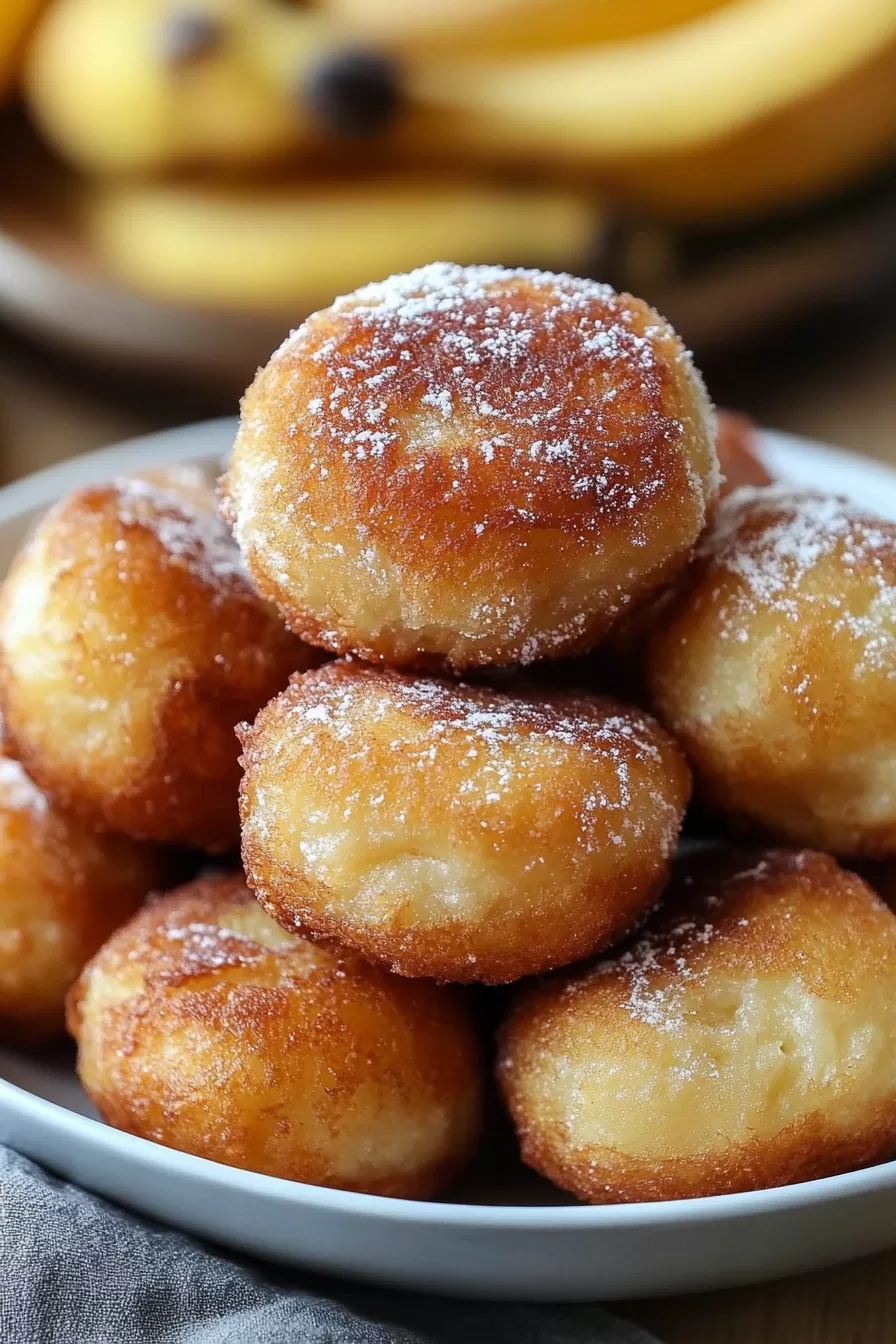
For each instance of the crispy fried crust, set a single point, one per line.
(131, 642)
(736, 445)
(471, 467)
(204, 1026)
(63, 889)
(456, 831)
(775, 667)
(743, 1041)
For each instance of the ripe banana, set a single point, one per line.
(292, 248)
(716, 115)
(498, 28)
(795, 155)
(680, 87)
(720, 109)
(16, 18)
(135, 85)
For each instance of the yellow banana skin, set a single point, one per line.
(753, 106)
(98, 84)
(721, 109)
(16, 19)
(295, 247)
(499, 28)
(678, 88)
(796, 154)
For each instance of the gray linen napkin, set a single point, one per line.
(75, 1269)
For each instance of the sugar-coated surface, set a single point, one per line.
(188, 533)
(775, 665)
(206, 1027)
(452, 830)
(63, 889)
(743, 1040)
(19, 792)
(774, 537)
(131, 642)
(471, 465)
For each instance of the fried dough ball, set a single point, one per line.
(63, 889)
(745, 1040)
(455, 831)
(737, 444)
(775, 667)
(471, 466)
(204, 1026)
(131, 642)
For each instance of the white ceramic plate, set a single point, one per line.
(515, 1240)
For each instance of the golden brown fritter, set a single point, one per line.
(204, 1026)
(775, 667)
(131, 642)
(456, 831)
(63, 889)
(471, 466)
(744, 1040)
(623, 650)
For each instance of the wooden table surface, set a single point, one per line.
(844, 394)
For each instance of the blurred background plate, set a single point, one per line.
(55, 287)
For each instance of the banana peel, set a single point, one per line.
(108, 97)
(753, 106)
(16, 20)
(480, 29)
(719, 110)
(294, 246)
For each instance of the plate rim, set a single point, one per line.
(827, 1190)
(212, 438)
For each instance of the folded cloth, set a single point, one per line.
(78, 1270)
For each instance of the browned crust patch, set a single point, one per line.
(531, 420)
(511, 940)
(207, 1031)
(111, 564)
(728, 913)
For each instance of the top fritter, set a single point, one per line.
(471, 466)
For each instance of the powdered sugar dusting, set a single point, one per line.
(658, 971)
(480, 413)
(776, 539)
(491, 741)
(672, 976)
(18, 790)
(520, 367)
(206, 947)
(189, 534)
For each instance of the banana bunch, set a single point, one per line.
(285, 248)
(685, 106)
(753, 105)
(395, 120)
(16, 20)
(502, 28)
(138, 86)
